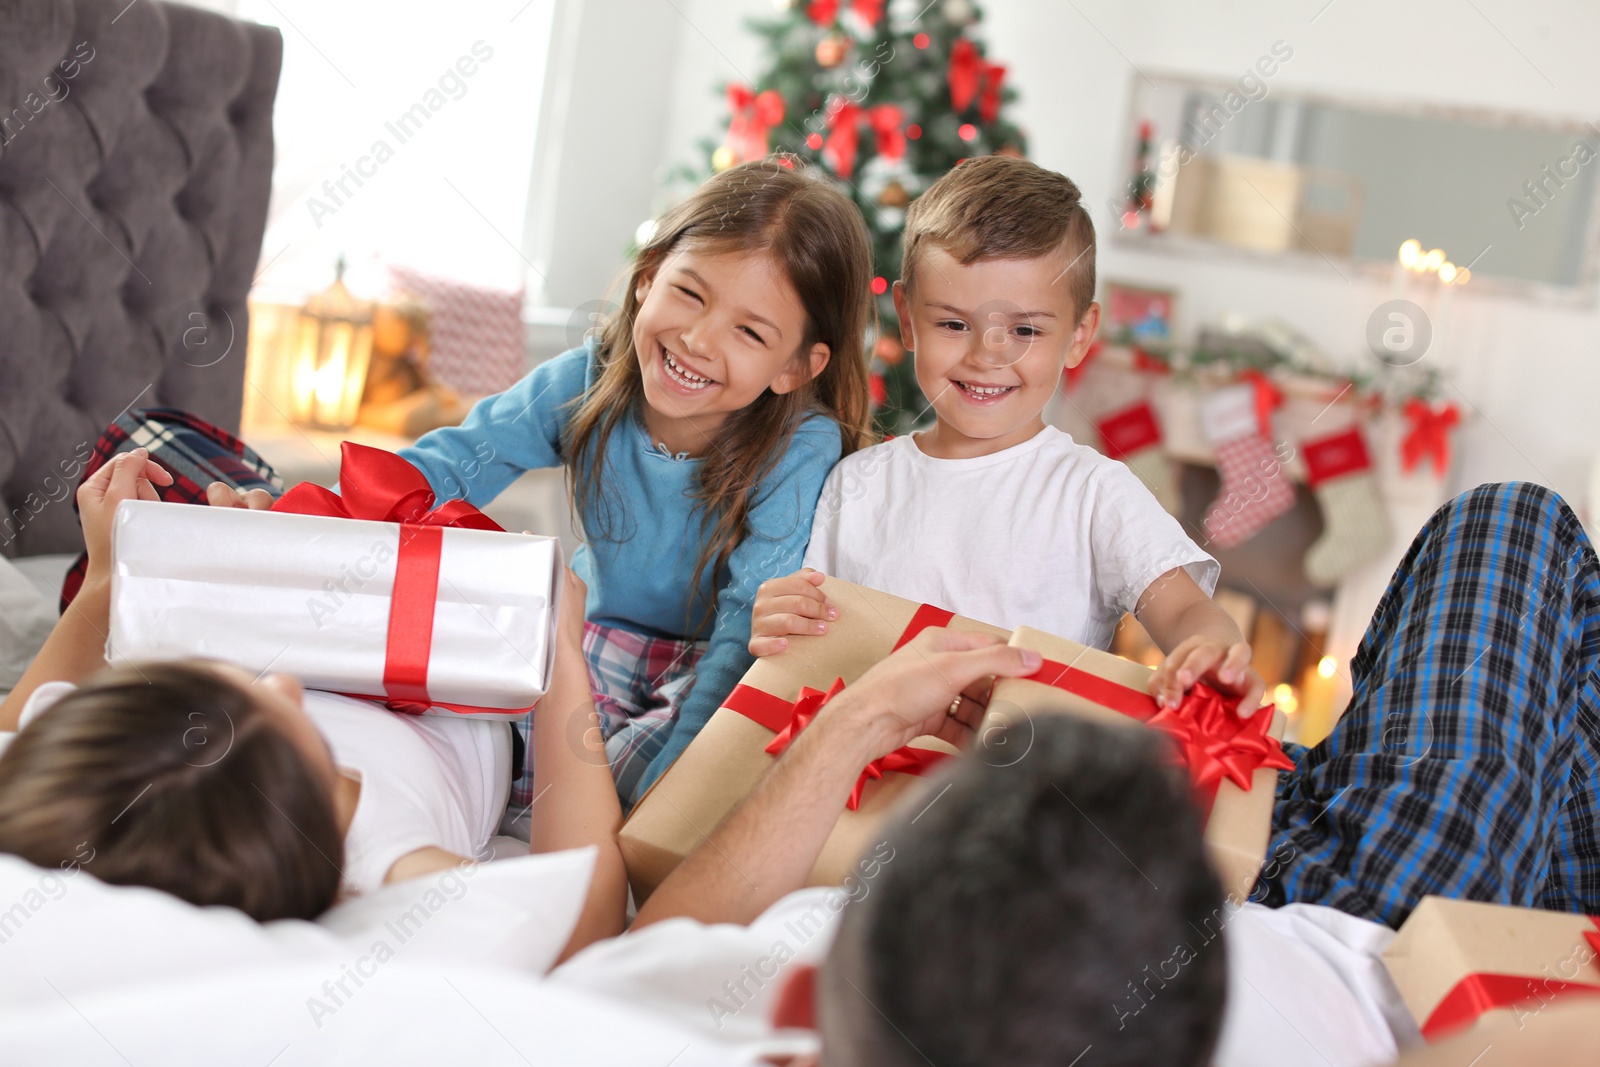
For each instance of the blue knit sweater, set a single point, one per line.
(639, 580)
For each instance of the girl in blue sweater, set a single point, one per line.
(696, 434)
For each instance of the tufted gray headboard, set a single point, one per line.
(135, 166)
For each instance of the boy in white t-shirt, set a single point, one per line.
(992, 513)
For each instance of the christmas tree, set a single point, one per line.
(885, 98)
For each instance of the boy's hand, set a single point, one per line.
(794, 604)
(1225, 668)
(223, 495)
(129, 476)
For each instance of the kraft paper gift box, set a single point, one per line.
(1079, 680)
(423, 615)
(730, 754)
(1458, 963)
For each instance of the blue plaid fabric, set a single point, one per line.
(1468, 762)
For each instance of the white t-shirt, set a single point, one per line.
(1306, 984)
(1049, 534)
(425, 780)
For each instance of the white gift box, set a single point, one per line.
(310, 596)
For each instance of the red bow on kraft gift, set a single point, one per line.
(1429, 436)
(905, 760)
(753, 115)
(1478, 993)
(1213, 742)
(788, 717)
(380, 486)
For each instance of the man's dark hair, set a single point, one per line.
(1036, 909)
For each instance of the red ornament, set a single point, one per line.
(914, 131)
(967, 132)
(813, 141)
(753, 115)
(921, 40)
(877, 390)
(880, 285)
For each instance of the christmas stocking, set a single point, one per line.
(1356, 527)
(1255, 488)
(1133, 436)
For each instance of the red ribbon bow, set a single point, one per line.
(1215, 744)
(1429, 436)
(844, 136)
(380, 486)
(823, 12)
(1268, 398)
(753, 115)
(905, 760)
(969, 73)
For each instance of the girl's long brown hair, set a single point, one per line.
(815, 234)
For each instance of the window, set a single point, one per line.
(404, 135)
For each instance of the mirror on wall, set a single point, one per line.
(1508, 200)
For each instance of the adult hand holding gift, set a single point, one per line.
(768, 846)
(377, 591)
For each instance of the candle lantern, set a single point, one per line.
(332, 345)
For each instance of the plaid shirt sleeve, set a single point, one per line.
(1466, 765)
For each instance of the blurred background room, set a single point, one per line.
(1376, 222)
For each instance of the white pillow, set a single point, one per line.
(87, 936)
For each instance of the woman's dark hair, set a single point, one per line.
(171, 776)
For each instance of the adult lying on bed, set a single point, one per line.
(197, 779)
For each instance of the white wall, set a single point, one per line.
(1530, 372)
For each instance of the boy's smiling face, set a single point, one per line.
(991, 338)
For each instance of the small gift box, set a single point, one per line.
(1233, 761)
(374, 593)
(1459, 962)
(778, 696)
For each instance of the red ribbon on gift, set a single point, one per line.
(1429, 436)
(753, 115)
(788, 717)
(1214, 743)
(904, 760)
(1478, 993)
(379, 486)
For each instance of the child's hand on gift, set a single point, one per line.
(1224, 667)
(223, 495)
(794, 604)
(129, 476)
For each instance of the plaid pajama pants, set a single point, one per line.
(638, 683)
(1468, 762)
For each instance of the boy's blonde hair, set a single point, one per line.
(1004, 207)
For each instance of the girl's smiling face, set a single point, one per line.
(713, 332)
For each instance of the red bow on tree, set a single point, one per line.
(753, 115)
(823, 12)
(1215, 744)
(1429, 436)
(968, 73)
(904, 760)
(844, 136)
